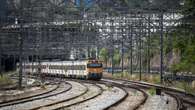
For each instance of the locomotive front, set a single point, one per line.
(94, 69)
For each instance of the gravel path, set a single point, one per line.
(134, 99)
(49, 100)
(93, 91)
(157, 102)
(109, 96)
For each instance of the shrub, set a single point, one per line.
(152, 91)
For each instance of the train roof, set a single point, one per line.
(77, 62)
(81, 62)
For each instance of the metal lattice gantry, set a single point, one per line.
(39, 29)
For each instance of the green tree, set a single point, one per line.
(185, 43)
(184, 39)
(104, 55)
(189, 8)
(116, 57)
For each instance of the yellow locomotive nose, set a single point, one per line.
(94, 71)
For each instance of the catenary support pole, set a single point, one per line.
(161, 47)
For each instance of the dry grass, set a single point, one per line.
(5, 80)
(188, 87)
(151, 78)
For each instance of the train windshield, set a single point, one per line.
(94, 65)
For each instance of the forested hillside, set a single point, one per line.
(184, 39)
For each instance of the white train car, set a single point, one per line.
(74, 69)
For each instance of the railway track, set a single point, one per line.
(106, 94)
(29, 96)
(78, 89)
(94, 91)
(181, 97)
(35, 101)
(127, 104)
(81, 93)
(98, 100)
(95, 97)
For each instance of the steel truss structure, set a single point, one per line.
(40, 29)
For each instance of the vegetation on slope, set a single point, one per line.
(184, 40)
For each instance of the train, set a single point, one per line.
(85, 69)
